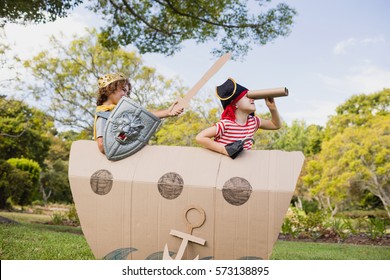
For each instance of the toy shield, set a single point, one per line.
(128, 129)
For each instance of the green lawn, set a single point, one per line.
(291, 250)
(29, 240)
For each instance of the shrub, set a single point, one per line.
(72, 215)
(58, 218)
(376, 228)
(15, 186)
(69, 218)
(340, 227)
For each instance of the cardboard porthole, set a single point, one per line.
(101, 182)
(236, 191)
(170, 185)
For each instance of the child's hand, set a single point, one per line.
(173, 112)
(270, 102)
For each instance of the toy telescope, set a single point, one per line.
(264, 93)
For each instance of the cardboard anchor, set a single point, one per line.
(187, 237)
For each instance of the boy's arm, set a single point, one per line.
(170, 112)
(275, 122)
(100, 144)
(204, 139)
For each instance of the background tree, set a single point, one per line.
(162, 26)
(3, 49)
(357, 111)
(6, 64)
(182, 131)
(23, 131)
(54, 183)
(356, 157)
(13, 183)
(19, 11)
(28, 195)
(66, 78)
(296, 137)
(315, 137)
(290, 138)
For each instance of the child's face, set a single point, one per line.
(246, 104)
(118, 94)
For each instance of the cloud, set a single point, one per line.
(364, 79)
(342, 46)
(311, 111)
(27, 40)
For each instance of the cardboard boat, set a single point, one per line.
(189, 202)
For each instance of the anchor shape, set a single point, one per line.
(185, 236)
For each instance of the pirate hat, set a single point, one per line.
(229, 91)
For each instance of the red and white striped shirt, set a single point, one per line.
(228, 131)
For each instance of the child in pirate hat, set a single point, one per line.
(112, 87)
(234, 132)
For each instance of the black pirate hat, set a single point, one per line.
(229, 91)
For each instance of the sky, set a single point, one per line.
(336, 49)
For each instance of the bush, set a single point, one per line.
(58, 218)
(320, 224)
(69, 218)
(376, 228)
(314, 224)
(15, 186)
(341, 227)
(299, 223)
(72, 215)
(33, 169)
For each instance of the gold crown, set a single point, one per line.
(110, 78)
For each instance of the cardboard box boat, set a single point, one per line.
(178, 197)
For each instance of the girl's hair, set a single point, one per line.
(103, 93)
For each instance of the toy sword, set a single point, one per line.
(184, 102)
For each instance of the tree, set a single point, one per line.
(330, 180)
(180, 131)
(3, 49)
(13, 184)
(19, 11)
(292, 138)
(4, 60)
(34, 170)
(54, 183)
(315, 137)
(66, 77)
(163, 25)
(357, 111)
(358, 157)
(297, 137)
(23, 131)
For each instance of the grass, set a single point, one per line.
(291, 250)
(29, 240)
(32, 240)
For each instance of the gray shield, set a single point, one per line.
(128, 129)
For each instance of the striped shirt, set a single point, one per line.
(228, 131)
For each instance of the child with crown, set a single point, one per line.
(234, 132)
(112, 87)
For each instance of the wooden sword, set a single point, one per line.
(184, 102)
